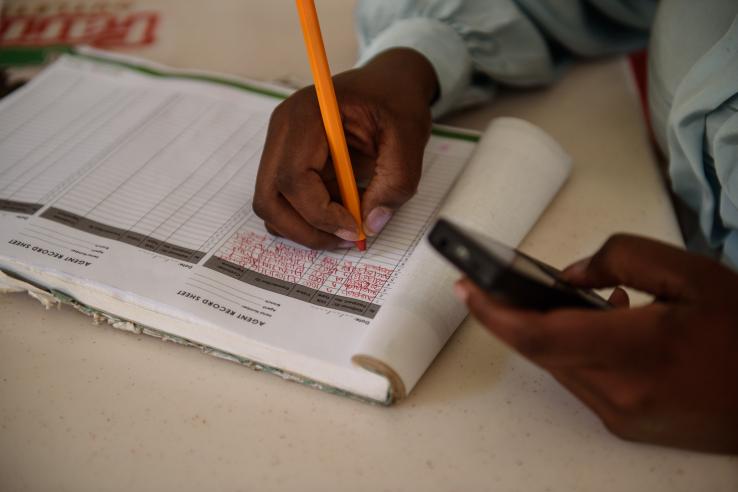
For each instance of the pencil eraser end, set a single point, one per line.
(361, 244)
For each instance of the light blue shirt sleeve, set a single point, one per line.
(475, 44)
(702, 135)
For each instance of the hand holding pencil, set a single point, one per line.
(382, 110)
(331, 115)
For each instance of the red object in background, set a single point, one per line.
(639, 66)
(101, 29)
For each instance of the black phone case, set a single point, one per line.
(499, 278)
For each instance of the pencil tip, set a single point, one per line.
(361, 244)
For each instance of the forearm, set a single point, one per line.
(510, 42)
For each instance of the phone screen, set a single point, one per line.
(506, 272)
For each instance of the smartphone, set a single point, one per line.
(507, 273)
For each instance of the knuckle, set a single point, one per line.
(281, 112)
(286, 182)
(620, 427)
(294, 105)
(632, 399)
(316, 219)
(260, 207)
(324, 225)
(307, 93)
(404, 189)
(611, 253)
(628, 402)
(271, 230)
(611, 247)
(306, 99)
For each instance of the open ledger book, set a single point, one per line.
(125, 190)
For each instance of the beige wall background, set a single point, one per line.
(252, 38)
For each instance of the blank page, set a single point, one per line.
(515, 172)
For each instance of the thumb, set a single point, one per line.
(396, 176)
(643, 264)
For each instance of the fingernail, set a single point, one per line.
(461, 292)
(376, 220)
(346, 244)
(576, 269)
(347, 235)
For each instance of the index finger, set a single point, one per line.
(293, 147)
(569, 337)
(285, 221)
(308, 195)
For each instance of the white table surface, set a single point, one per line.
(86, 407)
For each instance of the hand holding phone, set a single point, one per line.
(505, 272)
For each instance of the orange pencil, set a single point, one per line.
(329, 111)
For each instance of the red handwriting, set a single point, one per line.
(273, 258)
(321, 272)
(366, 281)
(330, 274)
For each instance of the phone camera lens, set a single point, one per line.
(462, 253)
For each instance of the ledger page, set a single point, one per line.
(140, 186)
